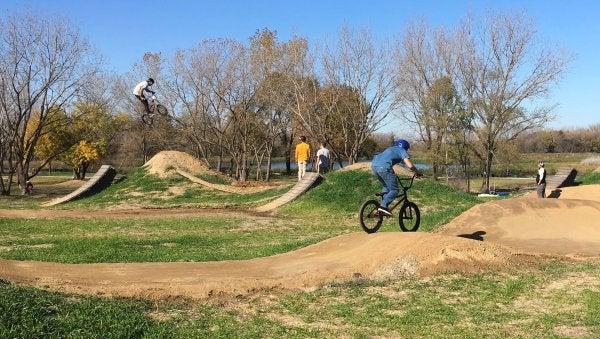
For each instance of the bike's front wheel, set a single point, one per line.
(410, 217)
(162, 110)
(370, 219)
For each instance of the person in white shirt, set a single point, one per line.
(323, 159)
(139, 90)
(540, 180)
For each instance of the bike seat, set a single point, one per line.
(379, 194)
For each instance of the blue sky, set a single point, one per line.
(123, 30)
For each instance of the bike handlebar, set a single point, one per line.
(412, 179)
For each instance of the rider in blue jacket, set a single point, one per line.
(382, 167)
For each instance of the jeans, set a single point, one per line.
(388, 179)
(301, 169)
(541, 190)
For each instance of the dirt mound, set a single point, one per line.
(366, 166)
(343, 258)
(164, 163)
(550, 226)
(583, 192)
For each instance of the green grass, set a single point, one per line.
(328, 210)
(144, 240)
(341, 194)
(215, 178)
(141, 188)
(589, 178)
(558, 299)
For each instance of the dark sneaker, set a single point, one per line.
(384, 211)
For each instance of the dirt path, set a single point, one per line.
(137, 213)
(508, 231)
(357, 255)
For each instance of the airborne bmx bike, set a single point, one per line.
(409, 216)
(155, 110)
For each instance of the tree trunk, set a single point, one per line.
(488, 171)
(269, 163)
(22, 176)
(84, 170)
(220, 160)
(243, 172)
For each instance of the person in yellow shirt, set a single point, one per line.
(302, 156)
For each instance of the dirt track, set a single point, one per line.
(553, 226)
(383, 255)
(510, 230)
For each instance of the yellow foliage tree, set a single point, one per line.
(54, 137)
(83, 154)
(94, 127)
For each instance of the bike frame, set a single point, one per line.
(404, 195)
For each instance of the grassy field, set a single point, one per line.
(328, 210)
(140, 188)
(552, 300)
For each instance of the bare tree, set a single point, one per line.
(426, 60)
(43, 65)
(503, 72)
(357, 62)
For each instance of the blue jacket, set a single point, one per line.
(390, 157)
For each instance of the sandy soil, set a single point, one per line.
(583, 192)
(163, 163)
(554, 226)
(168, 163)
(352, 256)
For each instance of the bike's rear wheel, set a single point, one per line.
(410, 217)
(370, 220)
(148, 119)
(162, 110)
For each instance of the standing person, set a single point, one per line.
(323, 159)
(302, 155)
(540, 180)
(383, 168)
(139, 90)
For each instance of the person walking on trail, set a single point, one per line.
(139, 90)
(323, 159)
(383, 168)
(302, 156)
(540, 180)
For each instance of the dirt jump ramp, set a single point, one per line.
(564, 177)
(102, 179)
(548, 226)
(343, 258)
(309, 180)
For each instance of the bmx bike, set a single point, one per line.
(409, 216)
(155, 110)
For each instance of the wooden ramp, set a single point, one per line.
(102, 179)
(308, 181)
(564, 177)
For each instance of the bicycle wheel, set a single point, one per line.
(162, 110)
(410, 217)
(370, 220)
(147, 119)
